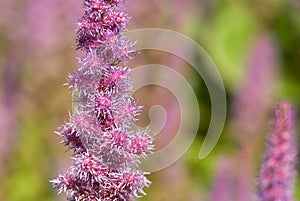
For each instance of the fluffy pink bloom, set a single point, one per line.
(277, 173)
(106, 152)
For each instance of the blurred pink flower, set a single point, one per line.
(250, 107)
(10, 87)
(223, 185)
(253, 98)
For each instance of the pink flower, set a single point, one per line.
(277, 172)
(106, 152)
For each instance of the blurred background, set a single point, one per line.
(255, 45)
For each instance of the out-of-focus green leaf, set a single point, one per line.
(231, 34)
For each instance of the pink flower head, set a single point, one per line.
(106, 152)
(277, 172)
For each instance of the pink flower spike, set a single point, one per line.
(277, 173)
(106, 153)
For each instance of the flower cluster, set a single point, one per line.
(277, 173)
(106, 152)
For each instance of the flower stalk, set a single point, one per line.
(277, 173)
(106, 151)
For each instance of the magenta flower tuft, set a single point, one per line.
(277, 173)
(105, 152)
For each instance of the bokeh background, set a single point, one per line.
(255, 45)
